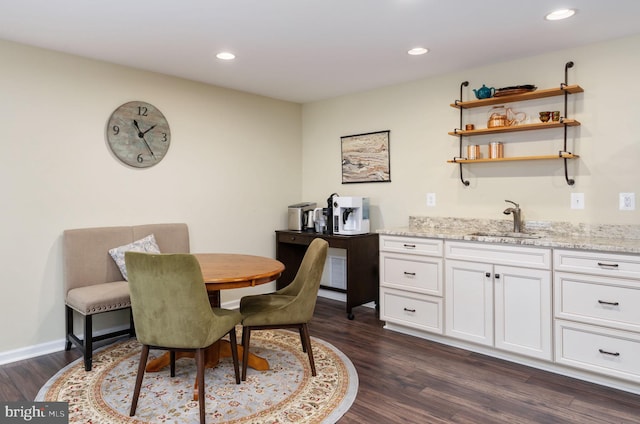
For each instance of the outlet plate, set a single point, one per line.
(577, 200)
(431, 200)
(627, 201)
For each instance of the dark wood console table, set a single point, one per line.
(362, 262)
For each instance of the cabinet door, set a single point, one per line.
(523, 311)
(469, 301)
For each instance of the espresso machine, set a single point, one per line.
(350, 215)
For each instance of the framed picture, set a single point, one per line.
(365, 158)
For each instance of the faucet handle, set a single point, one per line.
(512, 202)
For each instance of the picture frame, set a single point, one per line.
(366, 158)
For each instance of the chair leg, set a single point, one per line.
(200, 382)
(304, 345)
(88, 342)
(172, 362)
(246, 336)
(144, 355)
(69, 325)
(307, 342)
(132, 325)
(234, 353)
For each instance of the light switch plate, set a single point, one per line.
(577, 200)
(627, 201)
(431, 199)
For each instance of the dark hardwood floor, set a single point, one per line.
(404, 379)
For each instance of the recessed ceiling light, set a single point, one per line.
(556, 15)
(417, 51)
(226, 56)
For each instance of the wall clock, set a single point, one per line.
(138, 134)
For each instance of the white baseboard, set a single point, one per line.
(330, 294)
(47, 348)
(342, 297)
(31, 351)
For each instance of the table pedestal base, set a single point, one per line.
(221, 349)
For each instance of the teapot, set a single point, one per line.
(484, 92)
(500, 116)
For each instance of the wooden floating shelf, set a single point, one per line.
(514, 128)
(532, 95)
(516, 158)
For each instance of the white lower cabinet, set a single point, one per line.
(597, 312)
(469, 301)
(503, 306)
(501, 298)
(523, 313)
(411, 282)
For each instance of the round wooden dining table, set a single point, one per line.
(223, 271)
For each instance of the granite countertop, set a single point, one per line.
(605, 238)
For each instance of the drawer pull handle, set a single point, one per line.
(606, 264)
(604, 302)
(487, 274)
(412, 274)
(410, 246)
(604, 352)
(497, 276)
(409, 310)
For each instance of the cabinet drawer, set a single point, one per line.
(610, 352)
(411, 245)
(597, 300)
(412, 310)
(529, 257)
(609, 264)
(295, 238)
(414, 273)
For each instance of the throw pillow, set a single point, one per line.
(147, 244)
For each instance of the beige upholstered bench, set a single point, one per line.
(94, 284)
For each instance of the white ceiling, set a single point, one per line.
(307, 50)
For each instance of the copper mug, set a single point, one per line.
(496, 150)
(545, 116)
(473, 151)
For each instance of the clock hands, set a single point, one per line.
(152, 127)
(141, 135)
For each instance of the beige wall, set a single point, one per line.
(234, 162)
(419, 117)
(233, 166)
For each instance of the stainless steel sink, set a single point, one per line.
(505, 234)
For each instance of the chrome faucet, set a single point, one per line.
(516, 215)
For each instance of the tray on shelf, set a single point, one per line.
(516, 89)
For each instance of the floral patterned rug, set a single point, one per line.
(286, 393)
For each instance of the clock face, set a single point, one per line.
(138, 134)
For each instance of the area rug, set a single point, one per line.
(286, 393)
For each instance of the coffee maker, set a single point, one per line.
(350, 215)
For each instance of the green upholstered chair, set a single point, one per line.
(172, 312)
(289, 307)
